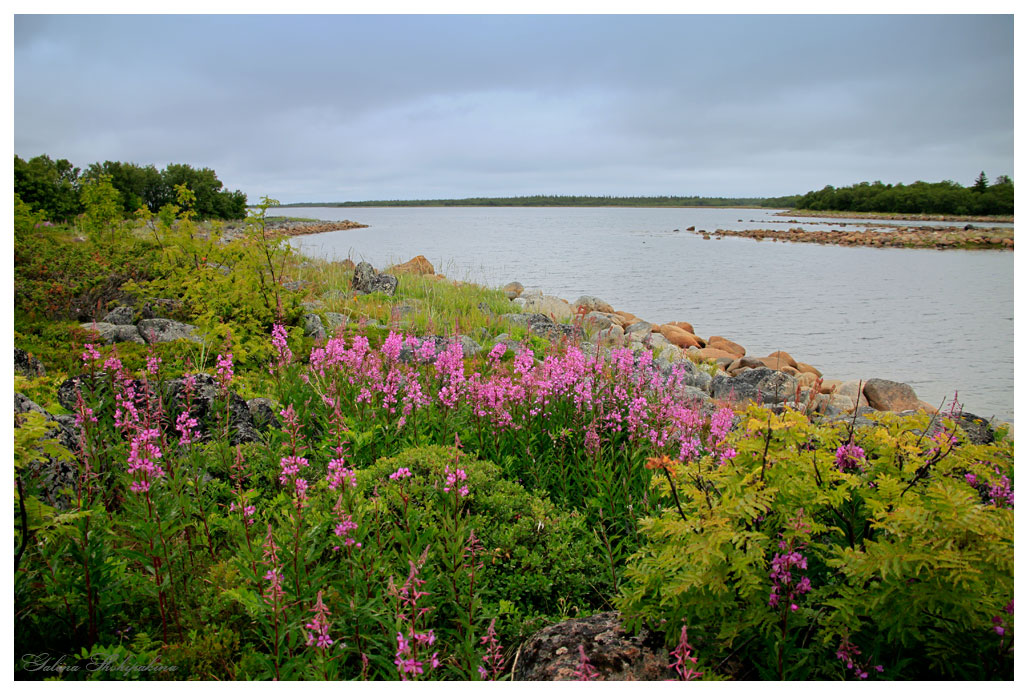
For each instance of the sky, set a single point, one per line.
(364, 107)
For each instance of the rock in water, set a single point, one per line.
(552, 653)
(419, 265)
(883, 394)
(366, 280)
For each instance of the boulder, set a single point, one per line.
(780, 358)
(679, 337)
(335, 320)
(513, 290)
(27, 364)
(883, 394)
(263, 414)
(208, 407)
(727, 345)
(156, 307)
(120, 316)
(759, 385)
(419, 265)
(596, 321)
(684, 325)
(806, 379)
(808, 369)
(592, 304)
(545, 327)
(552, 654)
(612, 335)
(710, 353)
(554, 307)
(313, 327)
(639, 328)
(628, 319)
(852, 390)
(52, 474)
(830, 385)
(166, 330)
(366, 280)
(113, 333)
(750, 362)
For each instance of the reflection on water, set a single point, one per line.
(941, 321)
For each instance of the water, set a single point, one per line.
(941, 321)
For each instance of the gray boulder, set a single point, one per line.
(207, 408)
(366, 280)
(263, 414)
(545, 327)
(313, 328)
(27, 364)
(335, 320)
(112, 333)
(50, 475)
(166, 330)
(759, 385)
(120, 316)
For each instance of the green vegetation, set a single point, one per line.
(54, 187)
(415, 513)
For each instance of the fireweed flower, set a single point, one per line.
(274, 592)
(585, 670)
(497, 352)
(848, 653)
(849, 457)
(153, 364)
(682, 654)
(452, 480)
(400, 473)
(280, 341)
(90, 354)
(225, 370)
(317, 635)
(493, 657)
(143, 460)
(1001, 493)
(345, 525)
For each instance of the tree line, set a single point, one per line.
(942, 198)
(55, 187)
(550, 201)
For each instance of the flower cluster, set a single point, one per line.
(143, 460)
(683, 659)
(493, 658)
(784, 587)
(345, 525)
(225, 370)
(317, 635)
(280, 341)
(849, 457)
(400, 473)
(585, 671)
(274, 592)
(408, 663)
(999, 623)
(453, 479)
(848, 653)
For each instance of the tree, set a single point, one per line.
(102, 203)
(981, 184)
(1003, 179)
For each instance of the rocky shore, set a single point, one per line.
(895, 216)
(969, 237)
(288, 227)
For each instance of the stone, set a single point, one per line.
(27, 364)
(419, 265)
(617, 655)
(627, 318)
(52, 474)
(156, 307)
(166, 330)
(592, 304)
(759, 385)
(313, 327)
(723, 362)
(780, 358)
(750, 362)
(727, 345)
(883, 394)
(294, 285)
(640, 328)
(469, 346)
(679, 336)
(854, 391)
(335, 320)
(513, 290)
(207, 406)
(806, 379)
(120, 316)
(554, 307)
(545, 327)
(313, 305)
(596, 321)
(684, 325)
(808, 369)
(612, 335)
(366, 280)
(110, 333)
(830, 385)
(710, 353)
(263, 414)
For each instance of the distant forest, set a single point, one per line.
(55, 187)
(943, 198)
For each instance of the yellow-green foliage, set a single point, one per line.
(910, 553)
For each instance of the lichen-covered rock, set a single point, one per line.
(208, 407)
(513, 290)
(366, 280)
(53, 474)
(262, 412)
(554, 307)
(111, 333)
(166, 330)
(552, 654)
(545, 327)
(592, 304)
(27, 364)
(335, 320)
(313, 328)
(120, 316)
(758, 385)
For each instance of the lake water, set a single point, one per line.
(941, 321)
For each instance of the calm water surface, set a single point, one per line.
(941, 321)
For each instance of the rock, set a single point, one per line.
(780, 359)
(469, 346)
(806, 379)
(312, 306)
(727, 345)
(208, 407)
(657, 341)
(684, 325)
(759, 385)
(418, 265)
(627, 318)
(808, 369)
(513, 290)
(27, 364)
(545, 327)
(978, 429)
(366, 280)
(679, 336)
(883, 394)
(120, 316)
(554, 307)
(639, 328)
(612, 335)
(262, 412)
(166, 330)
(313, 327)
(335, 320)
(111, 333)
(830, 385)
(519, 302)
(294, 285)
(723, 362)
(692, 375)
(592, 304)
(155, 307)
(710, 353)
(52, 475)
(596, 321)
(552, 653)
(750, 362)
(487, 310)
(853, 390)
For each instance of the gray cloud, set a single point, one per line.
(356, 107)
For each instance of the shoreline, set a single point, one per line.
(913, 217)
(941, 238)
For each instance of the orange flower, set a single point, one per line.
(659, 462)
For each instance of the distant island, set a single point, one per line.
(533, 201)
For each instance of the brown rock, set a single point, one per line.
(780, 358)
(513, 290)
(677, 336)
(883, 394)
(830, 385)
(684, 325)
(629, 318)
(808, 369)
(727, 345)
(928, 408)
(807, 379)
(552, 653)
(418, 265)
(751, 362)
(710, 353)
(791, 371)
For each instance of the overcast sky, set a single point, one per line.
(330, 108)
